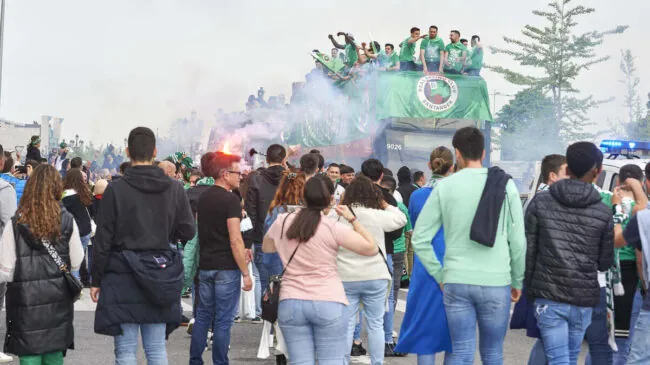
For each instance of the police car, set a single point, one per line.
(618, 153)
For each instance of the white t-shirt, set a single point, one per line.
(398, 196)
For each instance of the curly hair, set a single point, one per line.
(39, 206)
(74, 180)
(290, 190)
(363, 192)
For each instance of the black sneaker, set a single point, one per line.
(184, 321)
(358, 350)
(389, 351)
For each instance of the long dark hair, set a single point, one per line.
(362, 191)
(74, 180)
(318, 196)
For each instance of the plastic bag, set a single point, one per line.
(266, 342)
(247, 298)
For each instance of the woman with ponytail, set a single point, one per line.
(311, 313)
(424, 303)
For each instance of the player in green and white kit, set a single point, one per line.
(474, 62)
(389, 60)
(406, 54)
(455, 55)
(432, 51)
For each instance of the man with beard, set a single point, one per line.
(456, 54)
(432, 51)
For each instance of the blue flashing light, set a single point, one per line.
(621, 146)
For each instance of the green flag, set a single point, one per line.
(414, 95)
(333, 64)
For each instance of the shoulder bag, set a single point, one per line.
(73, 284)
(271, 298)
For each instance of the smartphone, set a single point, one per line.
(21, 169)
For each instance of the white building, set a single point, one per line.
(14, 136)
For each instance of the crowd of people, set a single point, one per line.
(324, 249)
(350, 58)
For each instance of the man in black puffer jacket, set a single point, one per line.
(262, 186)
(570, 238)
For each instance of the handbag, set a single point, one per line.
(271, 298)
(73, 284)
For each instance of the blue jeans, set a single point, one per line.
(372, 294)
(640, 350)
(85, 240)
(537, 354)
(563, 327)
(636, 311)
(597, 336)
(153, 341)
(259, 272)
(357, 327)
(312, 331)
(218, 294)
(466, 305)
(390, 313)
(431, 359)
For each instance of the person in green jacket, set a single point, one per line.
(478, 281)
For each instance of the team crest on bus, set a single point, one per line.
(437, 93)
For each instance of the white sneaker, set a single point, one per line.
(5, 358)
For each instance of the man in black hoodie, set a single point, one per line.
(262, 186)
(570, 238)
(140, 276)
(405, 185)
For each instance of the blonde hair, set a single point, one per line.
(441, 160)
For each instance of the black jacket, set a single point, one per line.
(145, 210)
(570, 238)
(39, 306)
(390, 237)
(80, 213)
(262, 186)
(33, 153)
(486, 219)
(406, 190)
(193, 195)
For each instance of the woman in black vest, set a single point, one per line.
(39, 305)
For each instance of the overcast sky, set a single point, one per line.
(108, 68)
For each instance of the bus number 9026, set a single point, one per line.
(394, 147)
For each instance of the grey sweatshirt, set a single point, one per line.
(7, 203)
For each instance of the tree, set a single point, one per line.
(631, 81)
(561, 55)
(525, 135)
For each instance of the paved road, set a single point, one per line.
(98, 350)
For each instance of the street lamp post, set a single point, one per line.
(2, 36)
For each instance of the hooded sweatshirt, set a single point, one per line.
(7, 203)
(262, 186)
(570, 238)
(145, 210)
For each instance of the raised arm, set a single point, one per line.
(335, 43)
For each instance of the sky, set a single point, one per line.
(108, 66)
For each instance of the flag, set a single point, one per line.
(333, 64)
(414, 95)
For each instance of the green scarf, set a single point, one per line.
(205, 181)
